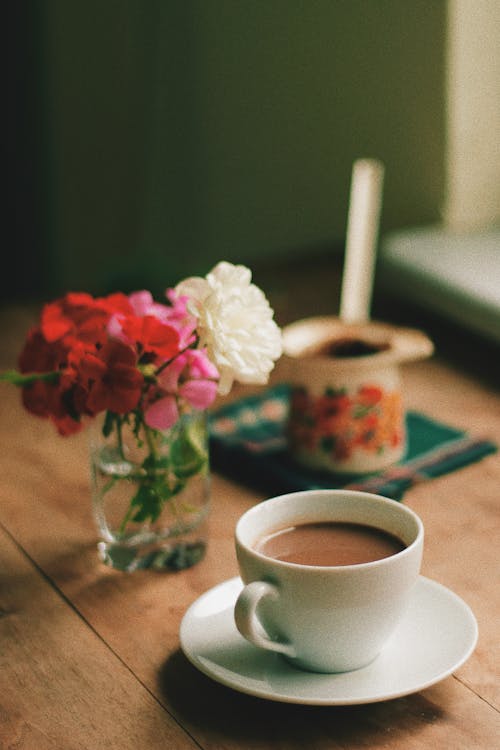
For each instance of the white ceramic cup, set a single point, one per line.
(325, 619)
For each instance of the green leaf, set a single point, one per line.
(166, 491)
(188, 453)
(137, 426)
(155, 464)
(109, 420)
(27, 380)
(360, 411)
(187, 459)
(149, 504)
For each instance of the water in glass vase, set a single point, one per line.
(151, 492)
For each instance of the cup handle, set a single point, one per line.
(249, 624)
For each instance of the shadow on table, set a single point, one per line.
(212, 712)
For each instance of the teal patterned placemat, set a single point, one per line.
(248, 444)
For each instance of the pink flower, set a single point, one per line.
(181, 318)
(170, 316)
(142, 304)
(190, 379)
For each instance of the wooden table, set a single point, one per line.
(90, 658)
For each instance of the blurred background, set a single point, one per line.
(148, 140)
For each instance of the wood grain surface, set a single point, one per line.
(90, 657)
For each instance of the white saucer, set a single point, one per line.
(436, 636)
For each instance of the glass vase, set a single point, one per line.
(151, 491)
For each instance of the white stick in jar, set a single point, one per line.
(361, 240)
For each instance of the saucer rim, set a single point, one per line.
(327, 701)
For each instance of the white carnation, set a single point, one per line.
(235, 323)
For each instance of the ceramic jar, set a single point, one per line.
(347, 412)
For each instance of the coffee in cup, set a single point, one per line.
(327, 575)
(329, 543)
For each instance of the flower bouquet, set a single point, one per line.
(148, 371)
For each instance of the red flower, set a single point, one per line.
(41, 398)
(52, 400)
(151, 336)
(328, 407)
(79, 317)
(40, 356)
(86, 366)
(112, 378)
(369, 395)
(66, 425)
(115, 303)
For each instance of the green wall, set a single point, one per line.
(180, 133)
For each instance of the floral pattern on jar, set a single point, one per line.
(338, 423)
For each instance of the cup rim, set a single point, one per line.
(255, 509)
